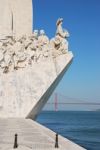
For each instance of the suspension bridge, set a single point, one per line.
(59, 99)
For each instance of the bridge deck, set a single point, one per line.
(31, 136)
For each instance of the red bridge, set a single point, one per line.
(59, 99)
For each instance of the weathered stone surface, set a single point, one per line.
(15, 17)
(20, 91)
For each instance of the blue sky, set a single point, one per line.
(82, 19)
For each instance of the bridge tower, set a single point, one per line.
(56, 102)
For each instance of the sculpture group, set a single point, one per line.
(21, 52)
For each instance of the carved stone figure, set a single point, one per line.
(44, 44)
(35, 34)
(60, 31)
(43, 39)
(34, 41)
(19, 54)
(59, 43)
(8, 57)
(1, 52)
(1, 55)
(1, 43)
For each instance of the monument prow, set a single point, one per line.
(61, 70)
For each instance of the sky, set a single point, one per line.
(82, 20)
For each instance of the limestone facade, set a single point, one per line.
(15, 17)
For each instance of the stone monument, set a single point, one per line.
(31, 65)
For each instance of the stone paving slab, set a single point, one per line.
(31, 136)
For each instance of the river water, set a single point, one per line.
(82, 127)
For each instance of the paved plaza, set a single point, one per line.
(31, 136)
